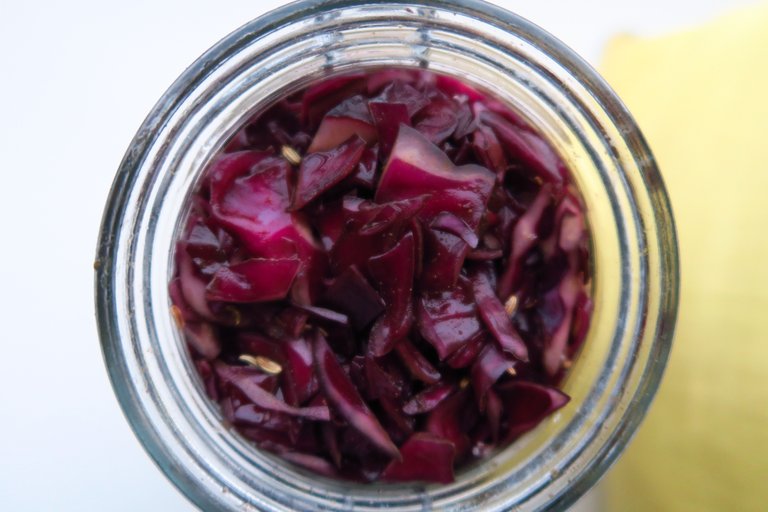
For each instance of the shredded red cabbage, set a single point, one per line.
(384, 277)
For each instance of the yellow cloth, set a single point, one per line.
(701, 99)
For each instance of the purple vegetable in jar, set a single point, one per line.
(384, 277)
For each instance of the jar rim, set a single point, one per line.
(117, 253)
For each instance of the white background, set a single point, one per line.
(76, 80)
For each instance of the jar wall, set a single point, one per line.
(635, 260)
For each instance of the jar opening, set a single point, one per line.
(635, 258)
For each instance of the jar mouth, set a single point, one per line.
(635, 250)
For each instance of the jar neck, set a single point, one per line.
(287, 50)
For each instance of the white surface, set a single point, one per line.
(76, 80)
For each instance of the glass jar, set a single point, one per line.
(635, 283)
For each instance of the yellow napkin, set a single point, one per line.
(701, 99)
